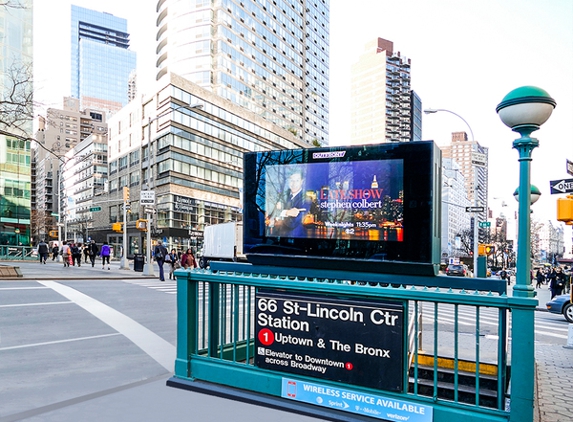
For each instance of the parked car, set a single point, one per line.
(460, 270)
(561, 305)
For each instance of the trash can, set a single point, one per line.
(138, 261)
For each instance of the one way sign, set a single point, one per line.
(561, 186)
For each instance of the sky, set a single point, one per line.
(466, 56)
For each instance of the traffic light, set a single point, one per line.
(53, 233)
(116, 227)
(141, 224)
(489, 249)
(481, 249)
(565, 209)
(125, 194)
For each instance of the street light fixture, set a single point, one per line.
(475, 232)
(524, 110)
(535, 194)
(435, 110)
(148, 266)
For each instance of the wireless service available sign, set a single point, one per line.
(358, 342)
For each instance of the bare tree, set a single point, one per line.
(14, 4)
(466, 242)
(16, 100)
(16, 89)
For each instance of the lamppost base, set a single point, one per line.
(148, 270)
(124, 264)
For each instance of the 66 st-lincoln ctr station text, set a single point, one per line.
(268, 307)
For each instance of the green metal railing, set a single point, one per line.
(465, 331)
(17, 253)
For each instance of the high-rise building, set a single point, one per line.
(472, 159)
(270, 57)
(60, 131)
(455, 219)
(16, 122)
(191, 157)
(101, 62)
(383, 106)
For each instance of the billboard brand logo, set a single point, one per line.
(332, 154)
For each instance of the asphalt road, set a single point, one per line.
(86, 344)
(97, 349)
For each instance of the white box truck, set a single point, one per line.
(222, 242)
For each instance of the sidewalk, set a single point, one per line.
(152, 400)
(53, 270)
(553, 376)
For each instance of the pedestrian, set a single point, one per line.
(159, 254)
(77, 254)
(104, 253)
(188, 259)
(174, 261)
(86, 251)
(551, 276)
(92, 251)
(552, 279)
(55, 252)
(540, 278)
(43, 251)
(557, 283)
(66, 253)
(503, 275)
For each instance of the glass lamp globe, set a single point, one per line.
(535, 194)
(526, 106)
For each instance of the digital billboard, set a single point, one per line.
(364, 208)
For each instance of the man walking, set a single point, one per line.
(92, 251)
(76, 254)
(43, 251)
(160, 252)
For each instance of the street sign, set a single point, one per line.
(474, 209)
(569, 167)
(94, 209)
(561, 186)
(147, 197)
(55, 214)
(483, 224)
(149, 210)
(479, 159)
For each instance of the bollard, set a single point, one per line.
(569, 338)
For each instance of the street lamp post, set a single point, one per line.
(475, 230)
(524, 110)
(148, 266)
(59, 178)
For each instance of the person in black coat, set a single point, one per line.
(556, 282)
(92, 251)
(43, 251)
(540, 278)
(159, 253)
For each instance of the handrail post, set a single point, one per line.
(186, 319)
(522, 363)
(214, 318)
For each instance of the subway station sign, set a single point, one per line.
(358, 342)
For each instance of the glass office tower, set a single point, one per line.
(101, 62)
(270, 57)
(15, 66)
